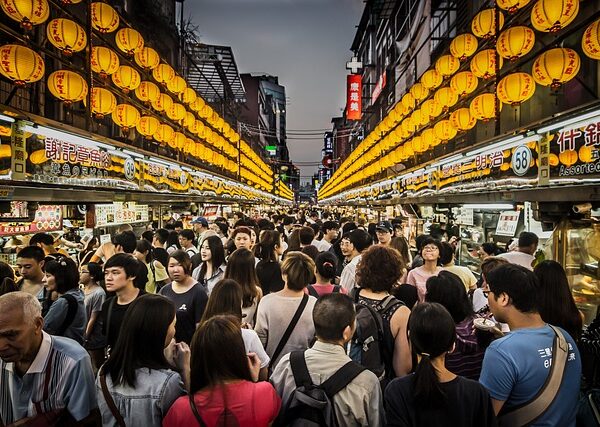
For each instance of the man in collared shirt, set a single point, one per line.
(41, 373)
(353, 245)
(361, 401)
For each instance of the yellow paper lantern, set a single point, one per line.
(188, 96)
(483, 107)
(431, 108)
(515, 88)
(590, 42)
(407, 128)
(163, 103)
(446, 97)
(463, 46)
(126, 78)
(147, 92)
(464, 83)
(147, 58)
(105, 19)
(512, 6)
(126, 116)
(103, 102)
(129, 41)
(553, 15)
(20, 64)
(176, 112)
(483, 65)
(189, 121)
(177, 141)
(444, 130)
(515, 42)
(462, 120)
(67, 86)
(199, 129)
(447, 65)
(66, 35)
(104, 61)
(147, 126)
(408, 101)
(431, 79)
(425, 141)
(555, 67)
(164, 133)
(27, 12)
(483, 24)
(163, 74)
(176, 85)
(419, 92)
(197, 105)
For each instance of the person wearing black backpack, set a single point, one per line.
(322, 386)
(380, 342)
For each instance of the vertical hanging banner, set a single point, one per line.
(354, 100)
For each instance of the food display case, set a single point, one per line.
(575, 244)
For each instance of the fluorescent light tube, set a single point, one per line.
(65, 136)
(503, 145)
(500, 206)
(579, 120)
(6, 118)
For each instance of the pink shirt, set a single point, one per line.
(324, 289)
(252, 404)
(418, 277)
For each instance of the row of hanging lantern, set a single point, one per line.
(23, 65)
(404, 130)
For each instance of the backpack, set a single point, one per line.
(312, 291)
(372, 345)
(310, 404)
(71, 312)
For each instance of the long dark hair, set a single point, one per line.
(265, 249)
(65, 272)
(217, 254)
(225, 298)
(142, 338)
(241, 268)
(218, 354)
(555, 301)
(448, 290)
(431, 333)
(326, 264)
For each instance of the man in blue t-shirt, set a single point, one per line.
(516, 366)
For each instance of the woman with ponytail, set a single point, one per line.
(269, 251)
(325, 270)
(434, 396)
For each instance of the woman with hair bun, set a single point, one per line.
(325, 273)
(434, 396)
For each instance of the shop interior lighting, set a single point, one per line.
(8, 119)
(574, 122)
(489, 206)
(65, 136)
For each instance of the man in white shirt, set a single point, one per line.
(523, 255)
(353, 245)
(330, 233)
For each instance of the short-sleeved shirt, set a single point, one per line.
(70, 386)
(418, 277)
(516, 367)
(253, 345)
(57, 314)
(250, 404)
(111, 331)
(189, 308)
(93, 304)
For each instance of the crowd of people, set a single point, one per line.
(288, 318)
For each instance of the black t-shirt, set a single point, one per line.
(467, 404)
(269, 276)
(189, 308)
(111, 332)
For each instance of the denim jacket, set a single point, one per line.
(147, 403)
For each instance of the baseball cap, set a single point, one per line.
(200, 220)
(385, 226)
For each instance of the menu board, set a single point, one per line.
(47, 218)
(120, 213)
(507, 223)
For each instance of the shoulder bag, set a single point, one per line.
(110, 402)
(288, 331)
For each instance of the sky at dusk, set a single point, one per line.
(306, 43)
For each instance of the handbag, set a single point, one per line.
(530, 411)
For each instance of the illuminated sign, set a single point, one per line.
(354, 99)
(379, 87)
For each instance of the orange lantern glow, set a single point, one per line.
(176, 112)
(147, 126)
(163, 73)
(103, 102)
(126, 116)
(197, 105)
(104, 61)
(66, 35)
(515, 42)
(447, 65)
(483, 65)
(464, 83)
(126, 78)
(419, 92)
(147, 92)
(515, 88)
(431, 79)
(67, 86)
(176, 85)
(463, 46)
(446, 97)
(483, 107)
(164, 133)
(553, 15)
(590, 42)
(27, 12)
(431, 108)
(163, 103)
(484, 23)
(21, 64)
(147, 58)
(568, 157)
(462, 120)
(444, 130)
(104, 18)
(512, 6)
(555, 67)
(129, 41)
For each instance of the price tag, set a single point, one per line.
(521, 160)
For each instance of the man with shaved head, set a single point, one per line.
(42, 377)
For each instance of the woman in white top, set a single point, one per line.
(212, 268)
(241, 268)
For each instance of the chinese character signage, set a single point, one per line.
(47, 218)
(507, 223)
(575, 152)
(354, 101)
(379, 87)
